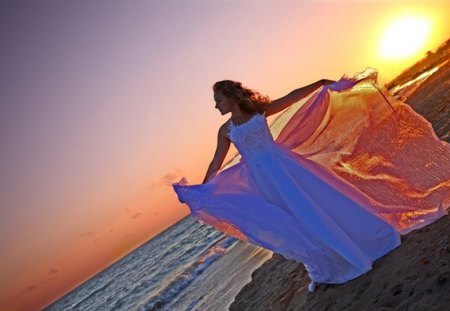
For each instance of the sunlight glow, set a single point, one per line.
(405, 37)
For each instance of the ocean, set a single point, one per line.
(189, 266)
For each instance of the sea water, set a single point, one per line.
(190, 266)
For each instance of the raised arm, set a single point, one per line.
(282, 103)
(223, 145)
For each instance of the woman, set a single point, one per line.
(277, 198)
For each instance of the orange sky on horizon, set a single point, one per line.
(100, 117)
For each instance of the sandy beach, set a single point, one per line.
(415, 276)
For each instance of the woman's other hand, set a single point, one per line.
(326, 81)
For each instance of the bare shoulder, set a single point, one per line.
(272, 107)
(224, 129)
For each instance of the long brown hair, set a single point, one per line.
(248, 100)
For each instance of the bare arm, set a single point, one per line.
(223, 145)
(282, 103)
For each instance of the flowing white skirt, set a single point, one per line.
(354, 168)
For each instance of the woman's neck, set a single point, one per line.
(238, 116)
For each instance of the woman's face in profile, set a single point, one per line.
(223, 103)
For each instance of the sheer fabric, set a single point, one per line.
(358, 131)
(336, 185)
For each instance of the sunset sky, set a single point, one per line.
(105, 103)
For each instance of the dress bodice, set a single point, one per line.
(252, 137)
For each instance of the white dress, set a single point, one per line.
(279, 205)
(350, 170)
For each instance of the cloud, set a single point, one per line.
(169, 178)
(133, 212)
(89, 235)
(86, 234)
(27, 289)
(136, 215)
(53, 271)
(46, 281)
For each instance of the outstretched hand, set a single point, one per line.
(326, 81)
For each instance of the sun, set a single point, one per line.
(405, 37)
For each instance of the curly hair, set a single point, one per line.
(248, 100)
